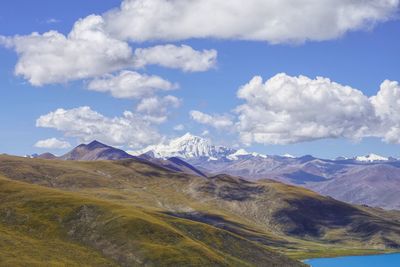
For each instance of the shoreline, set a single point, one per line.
(361, 253)
(357, 255)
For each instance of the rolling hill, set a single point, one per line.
(130, 212)
(50, 227)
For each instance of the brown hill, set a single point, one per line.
(96, 151)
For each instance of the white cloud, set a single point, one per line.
(267, 20)
(98, 44)
(90, 51)
(87, 124)
(52, 143)
(178, 57)
(156, 109)
(179, 127)
(130, 84)
(52, 57)
(387, 107)
(216, 121)
(287, 109)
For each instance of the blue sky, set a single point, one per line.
(362, 59)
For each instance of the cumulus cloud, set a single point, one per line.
(267, 20)
(87, 124)
(52, 143)
(216, 121)
(87, 51)
(157, 109)
(178, 57)
(287, 109)
(98, 44)
(387, 107)
(130, 84)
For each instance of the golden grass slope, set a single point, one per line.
(40, 226)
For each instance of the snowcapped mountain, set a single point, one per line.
(243, 153)
(288, 156)
(192, 147)
(187, 146)
(371, 158)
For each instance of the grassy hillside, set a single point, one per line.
(40, 226)
(130, 212)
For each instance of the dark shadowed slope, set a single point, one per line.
(375, 184)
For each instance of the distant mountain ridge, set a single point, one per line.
(190, 146)
(370, 180)
(366, 177)
(46, 155)
(96, 151)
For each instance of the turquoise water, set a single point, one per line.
(386, 260)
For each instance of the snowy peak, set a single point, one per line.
(190, 146)
(242, 153)
(237, 154)
(289, 156)
(187, 146)
(371, 158)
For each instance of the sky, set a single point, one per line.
(315, 77)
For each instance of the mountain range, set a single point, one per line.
(369, 180)
(96, 151)
(92, 151)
